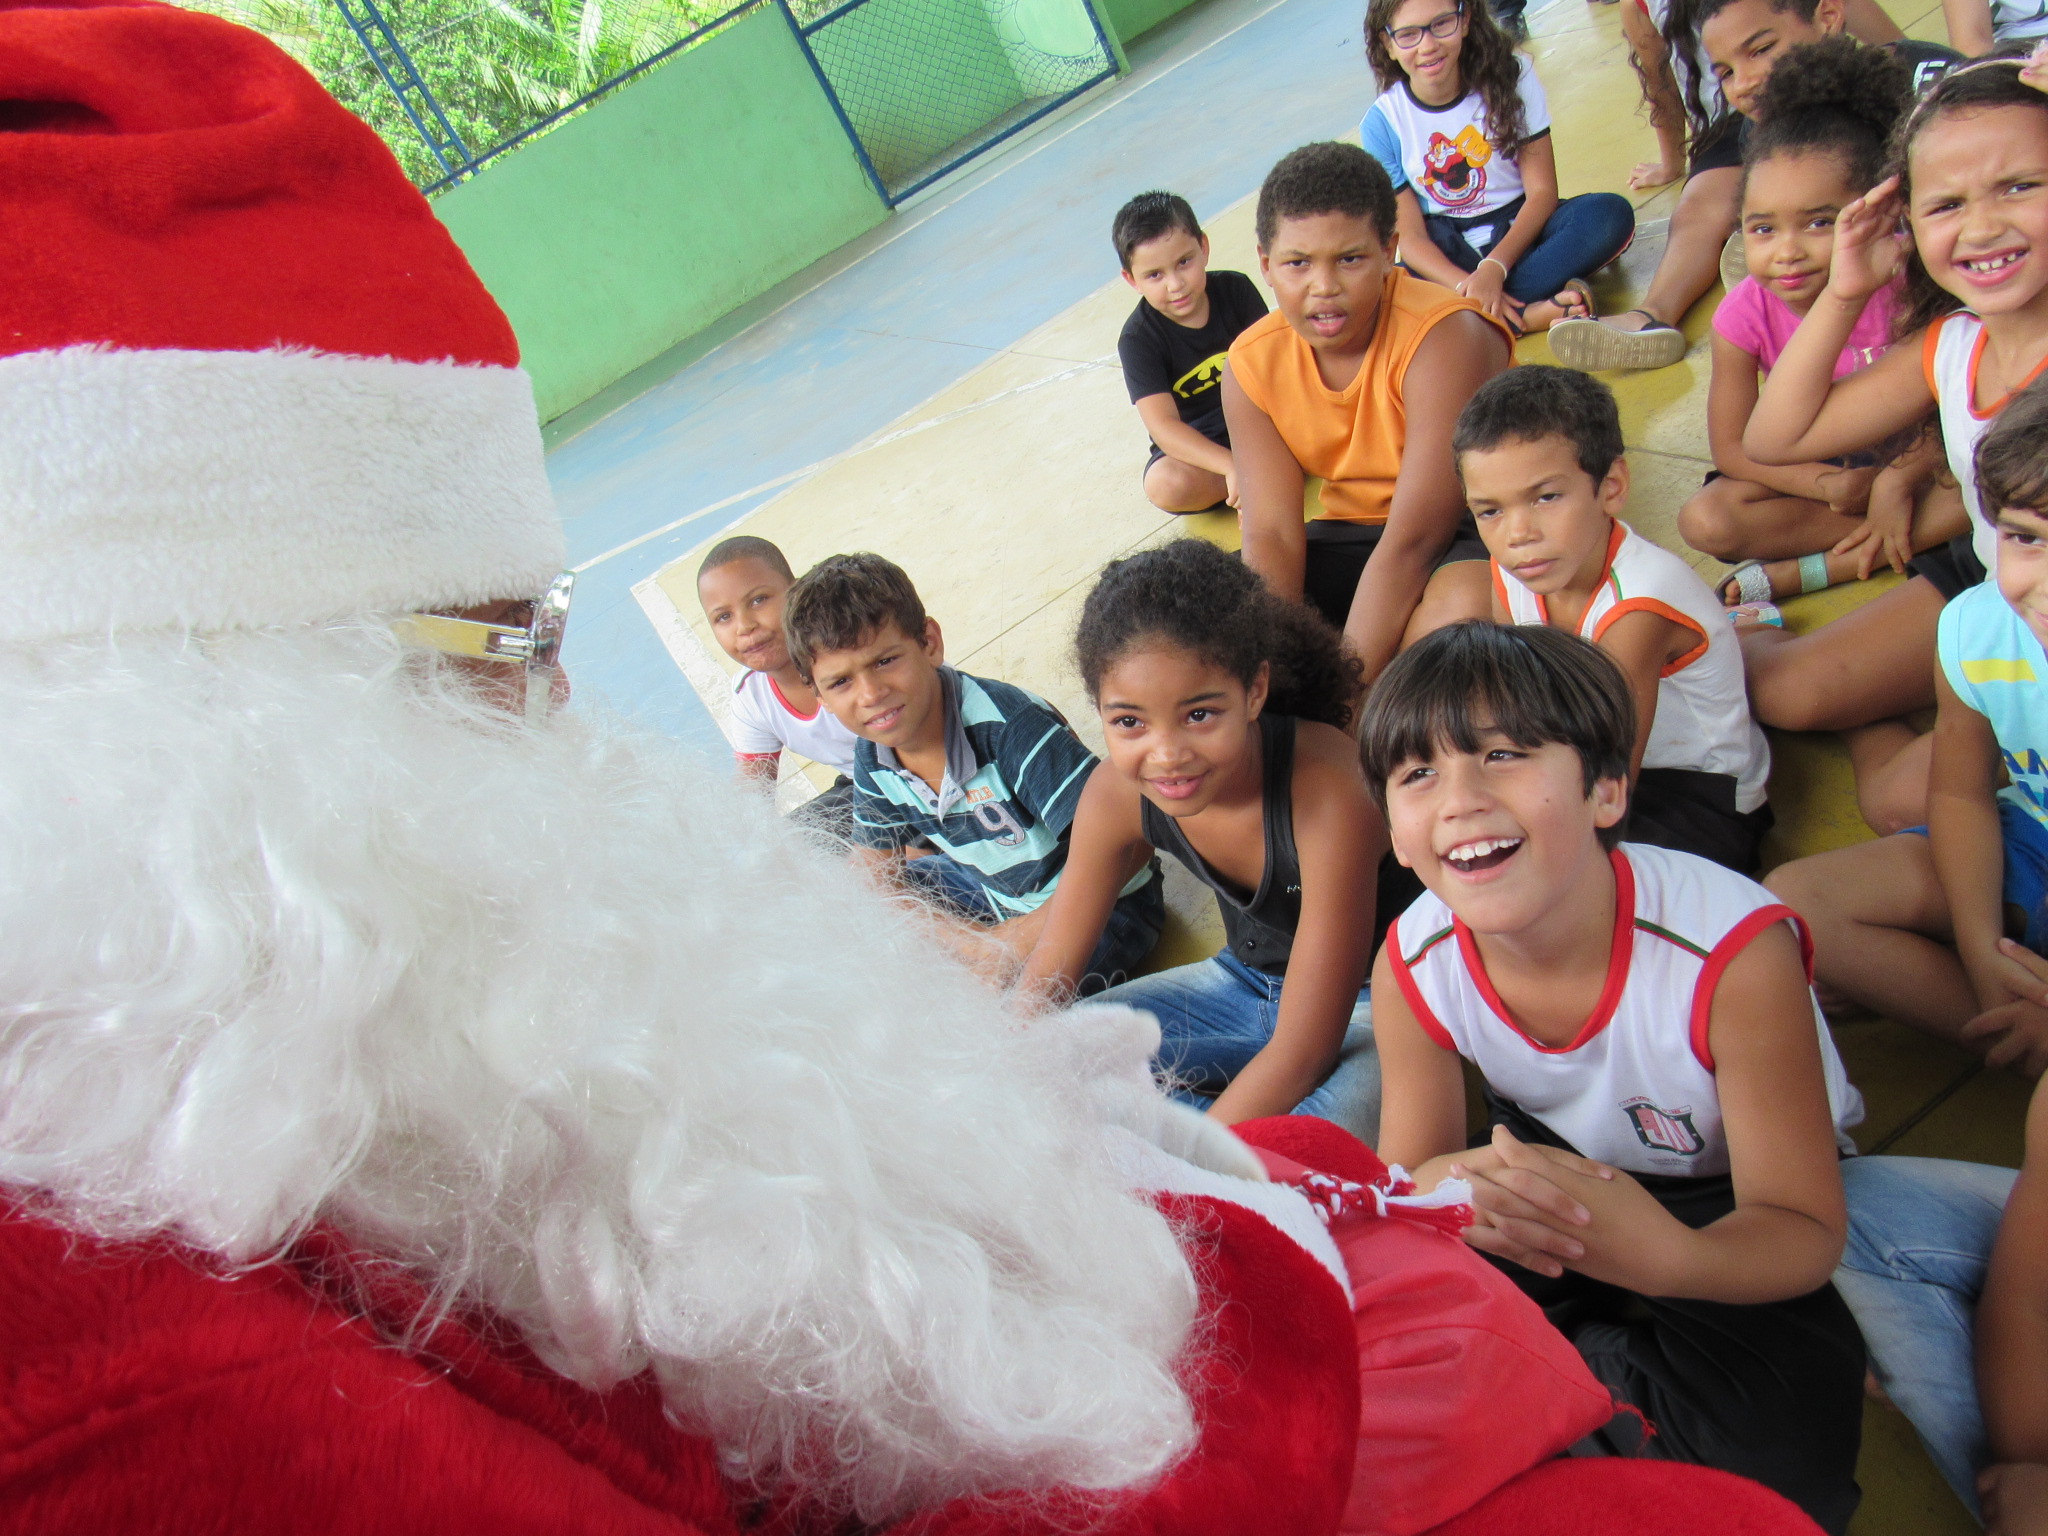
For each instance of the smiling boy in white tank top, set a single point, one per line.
(1630, 1004)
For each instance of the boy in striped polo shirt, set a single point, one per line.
(986, 773)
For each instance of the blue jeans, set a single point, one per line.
(1216, 1015)
(1920, 1233)
(1583, 235)
(1127, 938)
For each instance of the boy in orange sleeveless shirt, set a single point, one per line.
(1357, 378)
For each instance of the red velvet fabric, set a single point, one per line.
(173, 180)
(141, 1391)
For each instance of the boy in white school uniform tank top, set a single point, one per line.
(1668, 1110)
(1540, 453)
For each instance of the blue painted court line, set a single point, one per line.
(1215, 96)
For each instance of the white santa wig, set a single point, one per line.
(298, 931)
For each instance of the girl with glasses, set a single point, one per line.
(1463, 129)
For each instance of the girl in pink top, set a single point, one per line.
(1822, 123)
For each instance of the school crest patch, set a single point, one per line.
(1664, 1130)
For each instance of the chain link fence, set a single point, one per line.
(921, 85)
(925, 85)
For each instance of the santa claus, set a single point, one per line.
(420, 1109)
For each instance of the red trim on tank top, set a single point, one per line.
(795, 713)
(1723, 954)
(1619, 952)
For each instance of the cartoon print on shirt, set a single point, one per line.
(1454, 170)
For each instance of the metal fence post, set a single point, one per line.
(838, 109)
(395, 65)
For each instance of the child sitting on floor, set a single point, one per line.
(1356, 380)
(985, 772)
(742, 584)
(1822, 120)
(1541, 455)
(1945, 927)
(1630, 1005)
(1174, 346)
(1463, 129)
(1225, 712)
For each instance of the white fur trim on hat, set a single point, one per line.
(223, 490)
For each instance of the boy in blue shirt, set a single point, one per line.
(1944, 927)
(1173, 349)
(986, 773)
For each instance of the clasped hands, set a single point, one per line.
(1550, 1210)
(2012, 1029)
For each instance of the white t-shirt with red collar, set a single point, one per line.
(1635, 1088)
(1703, 721)
(763, 723)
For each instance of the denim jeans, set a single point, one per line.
(1920, 1233)
(1216, 1015)
(1127, 938)
(1583, 235)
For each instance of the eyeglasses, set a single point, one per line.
(1439, 27)
(526, 634)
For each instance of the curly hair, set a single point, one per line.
(1833, 97)
(1191, 595)
(1980, 86)
(1331, 177)
(1487, 63)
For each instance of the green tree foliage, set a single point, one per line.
(495, 66)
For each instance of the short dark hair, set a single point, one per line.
(744, 546)
(1532, 683)
(1148, 216)
(842, 600)
(2012, 456)
(1525, 405)
(1331, 177)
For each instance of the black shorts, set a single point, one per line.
(1338, 551)
(1953, 567)
(1695, 812)
(1771, 1391)
(1720, 147)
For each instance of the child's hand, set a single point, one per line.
(2035, 71)
(1486, 285)
(2017, 1033)
(1655, 173)
(1230, 486)
(1629, 1239)
(1523, 1215)
(2015, 1498)
(1887, 531)
(1869, 245)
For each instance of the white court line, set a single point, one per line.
(863, 446)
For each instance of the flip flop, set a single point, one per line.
(1734, 261)
(1757, 615)
(1583, 291)
(1594, 346)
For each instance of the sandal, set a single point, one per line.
(1581, 290)
(1594, 346)
(1756, 616)
(1750, 582)
(1734, 261)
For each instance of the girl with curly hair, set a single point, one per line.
(1226, 712)
(1463, 129)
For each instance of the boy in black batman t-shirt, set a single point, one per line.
(1174, 347)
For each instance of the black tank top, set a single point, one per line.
(1260, 927)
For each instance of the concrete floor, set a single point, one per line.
(946, 392)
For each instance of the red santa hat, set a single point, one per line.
(246, 377)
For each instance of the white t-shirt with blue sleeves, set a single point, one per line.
(1996, 666)
(1443, 153)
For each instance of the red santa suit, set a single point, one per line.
(419, 1116)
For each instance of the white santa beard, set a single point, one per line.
(298, 932)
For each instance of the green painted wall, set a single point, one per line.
(668, 204)
(1127, 18)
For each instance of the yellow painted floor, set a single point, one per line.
(1003, 495)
